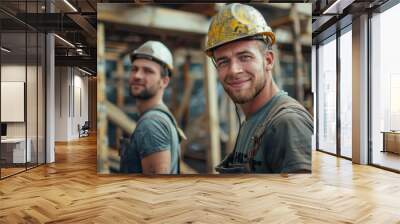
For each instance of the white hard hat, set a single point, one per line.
(154, 50)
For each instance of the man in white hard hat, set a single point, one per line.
(276, 135)
(154, 147)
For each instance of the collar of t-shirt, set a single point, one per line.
(161, 105)
(267, 105)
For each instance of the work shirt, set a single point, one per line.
(154, 132)
(286, 144)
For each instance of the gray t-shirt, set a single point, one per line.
(154, 132)
(286, 144)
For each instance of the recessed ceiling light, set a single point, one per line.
(337, 7)
(86, 72)
(5, 49)
(64, 40)
(70, 5)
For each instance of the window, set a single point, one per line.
(346, 93)
(327, 96)
(385, 88)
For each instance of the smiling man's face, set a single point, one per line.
(243, 69)
(145, 80)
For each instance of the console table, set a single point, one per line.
(391, 141)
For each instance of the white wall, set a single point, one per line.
(13, 73)
(61, 103)
(71, 93)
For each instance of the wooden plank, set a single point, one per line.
(114, 159)
(210, 88)
(233, 127)
(281, 21)
(119, 118)
(154, 17)
(102, 156)
(111, 56)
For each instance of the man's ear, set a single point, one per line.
(269, 58)
(165, 81)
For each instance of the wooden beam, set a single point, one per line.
(119, 118)
(233, 127)
(114, 159)
(277, 72)
(84, 24)
(102, 146)
(207, 9)
(210, 88)
(154, 17)
(111, 56)
(117, 45)
(282, 21)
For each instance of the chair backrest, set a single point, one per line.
(86, 125)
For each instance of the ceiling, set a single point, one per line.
(73, 20)
(79, 27)
(330, 15)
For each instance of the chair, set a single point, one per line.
(84, 130)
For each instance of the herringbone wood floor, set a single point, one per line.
(70, 191)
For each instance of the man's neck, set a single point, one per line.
(145, 105)
(266, 94)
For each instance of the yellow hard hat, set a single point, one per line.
(236, 21)
(156, 51)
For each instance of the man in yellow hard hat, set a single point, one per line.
(276, 135)
(154, 147)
